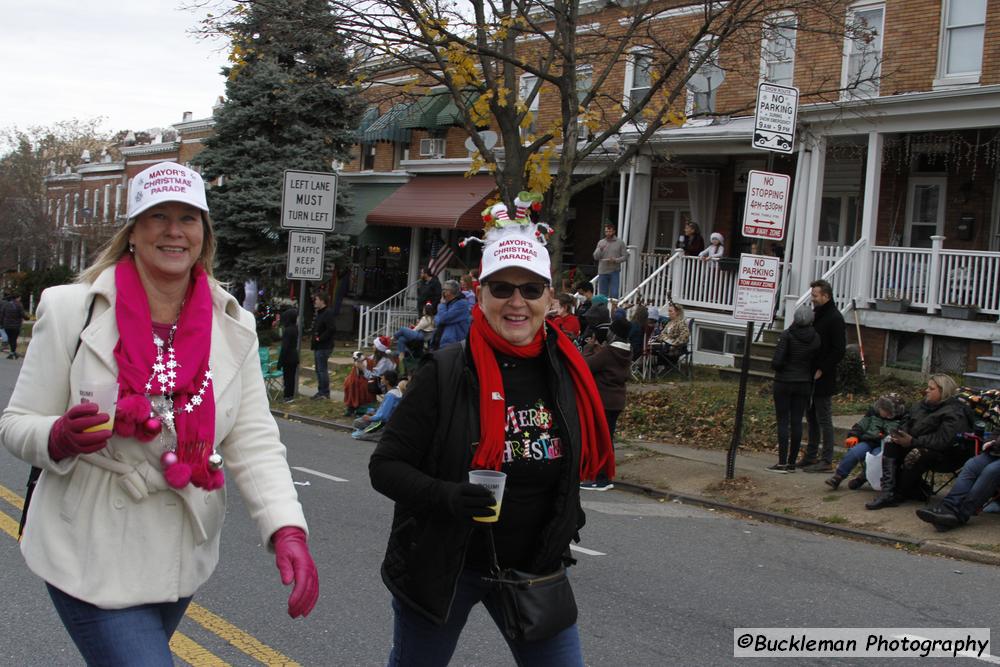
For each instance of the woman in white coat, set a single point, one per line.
(125, 520)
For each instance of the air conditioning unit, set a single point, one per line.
(432, 147)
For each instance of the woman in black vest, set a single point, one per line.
(507, 399)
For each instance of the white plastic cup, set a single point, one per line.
(105, 394)
(495, 482)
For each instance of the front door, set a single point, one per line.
(924, 210)
(667, 225)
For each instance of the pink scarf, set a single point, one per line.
(136, 354)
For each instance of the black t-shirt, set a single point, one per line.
(534, 461)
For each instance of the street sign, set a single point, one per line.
(309, 200)
(305, 255)
(766, 205)
(774, 121)
(756, 288)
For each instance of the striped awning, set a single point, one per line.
(386, 127)
(448, 202)
(423, 114)
(367, 118)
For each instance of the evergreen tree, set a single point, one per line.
(287, 106)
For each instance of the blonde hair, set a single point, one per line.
(117, 246)
(947, 385)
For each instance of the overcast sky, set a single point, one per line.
(132, 62)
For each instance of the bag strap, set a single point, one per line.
(36, 472)
(494, 563)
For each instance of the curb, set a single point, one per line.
(927, 547)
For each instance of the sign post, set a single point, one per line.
(774, 119)
(308, 202)
(756, 289)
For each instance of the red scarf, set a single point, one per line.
(596, 453)
(136, 354)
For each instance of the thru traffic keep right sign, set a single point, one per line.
(767, 201)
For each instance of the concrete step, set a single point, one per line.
(734, 374)
(983, 380)
(988, 365)
(996, 348)
(757, 363)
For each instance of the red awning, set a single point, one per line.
(444, 202)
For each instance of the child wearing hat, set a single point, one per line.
(715, 249)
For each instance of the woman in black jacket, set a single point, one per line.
(793, 378)
(925, 441)
(515, 397)
(288, 355)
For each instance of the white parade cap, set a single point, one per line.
(165, 182)
(513, 243)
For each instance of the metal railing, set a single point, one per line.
(843, 277)
(655, 289)
(385, 318)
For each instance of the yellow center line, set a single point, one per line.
(238, 638)
(183, 647)
(194, 653)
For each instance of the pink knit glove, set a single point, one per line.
(68, 436)
(291, 554)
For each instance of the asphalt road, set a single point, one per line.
(657, 583)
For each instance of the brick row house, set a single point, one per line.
(895, 196)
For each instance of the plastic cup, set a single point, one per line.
(494, 481)
(105, 394)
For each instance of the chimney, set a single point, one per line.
(187, 116)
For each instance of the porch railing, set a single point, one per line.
(385, 318)
(970, 280)
(827, 256)
(843, 277)
(655, 289)
(705, 284)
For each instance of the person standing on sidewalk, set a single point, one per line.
(793, 382)
(324, 331)
(610, 365)
(288, 355)
(12, 319)
(829, 324)
(609, 254)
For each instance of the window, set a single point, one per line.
(638, 79)
(838, 220)
(584, 82)
(777, 51)
(863, 61)
(960, 56)
(906, 350)
(705, 81)
(719, 341)
(526, 87)
(367, 157)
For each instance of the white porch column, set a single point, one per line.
(934, 280)
(413, 270)
(638, 217)
(790, 284)
(808, 232)
(869, 216)
(677, 277)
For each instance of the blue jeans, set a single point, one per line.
(607, 284)
(856, 455)
(978, 481)
(322, 372)
(133, 637)
(407, 335)
(416, 642)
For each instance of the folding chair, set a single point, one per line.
(967, 445)
(681, 363)
(272, 376)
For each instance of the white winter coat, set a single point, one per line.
(105, 527)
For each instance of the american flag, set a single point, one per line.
(441, 260)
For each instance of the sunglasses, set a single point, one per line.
(529, 291)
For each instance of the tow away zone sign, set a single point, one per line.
(756, 288)
(766, 205)
(305, 255)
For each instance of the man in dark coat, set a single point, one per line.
(11, 319)
(324, 332)
(428, 290)
(829, 324)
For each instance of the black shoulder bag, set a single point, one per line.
(533, 606)
(36, 472)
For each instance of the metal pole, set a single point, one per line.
(740, 403)
(302, 321)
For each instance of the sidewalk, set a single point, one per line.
(697, 476)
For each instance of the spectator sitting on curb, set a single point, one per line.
(421, 332)
(563, 317)
(887, 414)
(453, 316)
(369, 426)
